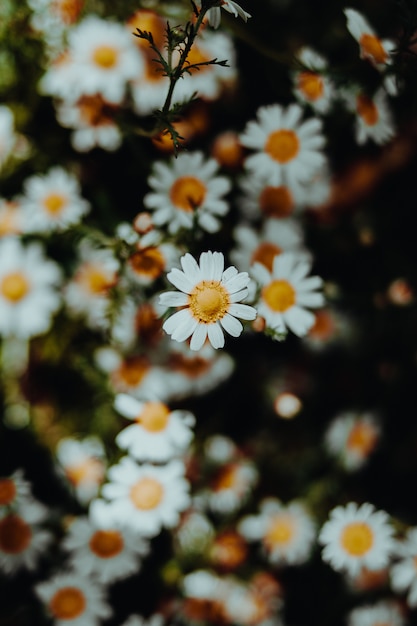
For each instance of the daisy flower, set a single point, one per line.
(403, 574)
(373, 119)
(158, 434)
(210, 300)
(185, 191)
(150, 258)
(11, 218)
(52, 201)
(231, 486)
(372, 48)
(137, 620)
(83, 464)
(355, 537)
(289, 151)
(28, 295)
(73, 599)
(287, 532)
(145, 497)
(383, 613)
(352, 438)
(102, 551)
(286, 291)
(311, 86)
(22, 539)
(261, 200)
(14, 490)
(214, 14)
(7, 134)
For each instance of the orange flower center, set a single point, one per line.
(279, 295)
(265, 254)
(146, 494)
(7, 491)
(282, 145)
(105, 56)
(14, 286)
(227, 478)
(94, 111)
(362, 438)
(68, 603)
(371, 47)
(95, 279)
(311, 85)
(68, 10)
(357, 538)
(87, 470)
(276, 202)
(209, 301)
(323, 326)
(367, 110)
(15, 534)
(154, 416)
(133, 370)
(148, 261)
(196, 55)
(9, 219)
(54, 203)
(190, 366)
(188, 193)
(280, 531)
(106, 543)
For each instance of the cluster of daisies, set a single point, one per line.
(161, 305)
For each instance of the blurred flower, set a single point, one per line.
(83, 465)
(8, 137)
(214, 14)
(382, 612)
(351, 438)
(373, 119)
(228, 550)
(372, 48)
(211, 299)
(231, 486)
(11, 218)
(311, 85)
(150, 258)
(14, 490)
(73, 599)
(357, 536)
(136, 620)
(403, 574)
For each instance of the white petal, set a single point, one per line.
(127, 405)
(180, 280)
(215, 335)
(231, 325)
(173, 298)
(190, 267)
(199, 337)
(244, 311)
(175, 320)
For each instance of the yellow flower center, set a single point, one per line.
(282, 145)
(68, 603)
(280, 531)
(7, 491)
(91, 470)
(209, 301)
(54, 203)
(154, 416)
(311, 85)
(367, 109)
(276, 202)
(14, 286)
(94, 111)
(371, 46)
(357, 538)
(227, 478)
(362, 438)
(106, 543)
(146, 494)
(105, 56)
(265, 254)
(188, 193)
(15, 534)
(132, 370)
(279, 295)
(94, 279)
(148, 261)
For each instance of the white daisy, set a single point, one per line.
(150, 258)
(382, 613)
(286, 292)
(72, 599)
(231, 486)
(138, 620)
(7, 134)
(52, 201)
(210, 300)
(22, 539)
(214, 14)
(311, 85)
(287, 532)
(28, 295)
(105, 552)
(14, 490)
(83, 464)
(158, 433)
(261, 200)
(11, 218)
(403, 573)
(352, 437)
(145, 497)
(372, 48)
(289, 151)
(355, 537)
(187, 191)
(373, 119)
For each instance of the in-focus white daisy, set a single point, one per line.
(372, 48)
(355, 537)
(52, 201)
(382, 613)
(83, 464)
(187, 191)
(289, 150)
(73, 599)
(403, 573)
(14, 490)
(214, 14)
(311, 85)
(102, 551)
(210, 301)
(8, 137)
(22, 539)
(287, 532)
(352, 437)
(286, 292)
(158, 434)
(146, 497)
(28, 289)
(373, 118)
